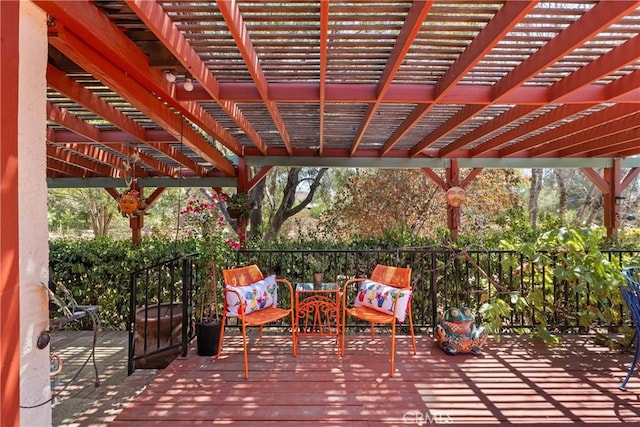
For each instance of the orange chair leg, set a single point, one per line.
(344, 331)
(372, 334)
(224, 318)
(293, 336)
(246, 356)
(413, 337)
(393, 348)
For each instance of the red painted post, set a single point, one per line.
(9, 237)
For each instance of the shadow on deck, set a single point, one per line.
(514, 382)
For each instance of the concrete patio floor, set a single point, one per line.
(80, 402)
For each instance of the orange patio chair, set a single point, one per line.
(252, 298)
(384, 298)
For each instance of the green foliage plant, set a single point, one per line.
(565, 265)
(202, 221)
(238, 205)
(97, 271)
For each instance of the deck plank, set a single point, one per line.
(515, 381)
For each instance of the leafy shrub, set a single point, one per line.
(97, 271)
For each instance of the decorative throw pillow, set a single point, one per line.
(256, 296)
(383, 298)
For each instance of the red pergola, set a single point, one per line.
(435, 85)
(407, 84)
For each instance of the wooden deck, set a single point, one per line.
(514, 382)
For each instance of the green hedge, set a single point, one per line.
(97, 271)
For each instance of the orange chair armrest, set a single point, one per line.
(288, 284)
(346, 285)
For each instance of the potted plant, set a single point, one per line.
(239, 205)
(203, 221)
(207, 317)
(317, 270)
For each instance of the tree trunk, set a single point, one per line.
(287, 209)
(534, 196)
(587, 208)
(255, 219)
(562, 194)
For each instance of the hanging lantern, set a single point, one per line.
(456, 196)
(128, 204)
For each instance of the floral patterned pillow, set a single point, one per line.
(256, 296)
(383, 297)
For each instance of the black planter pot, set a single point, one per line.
(208, 336)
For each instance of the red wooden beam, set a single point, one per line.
(10, 349)
(138, 96)
(414, 117)
(596, 179)
(606, 142)
(611, 61)
(78, 93)
(509, 15)
(72, 122)
(68, 87)
(629, 84)
(160, 24)
(90, 24)
(232, 16)
(629, 147)
(95, 152)
(435, 178)
(110, 137)
(600, 17)
(593, 21)
(410, 29)
(150, 200)
(508, 117)
(81, 127)
(145, 159)
(628, 178)
(506, 18)
(74, 159)
(407, 93)
(56, 167)
(179, 157)
(581, 141)
(573, 127)
(324, 34)
(258, 177)
(470, 177)
(447, 127)
(550, 117)
(611, 208)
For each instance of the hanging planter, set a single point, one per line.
(239, 205)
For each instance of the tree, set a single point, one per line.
(406, 201)
(562, 194)
(82, 208)
(534, 196)
(298, 181)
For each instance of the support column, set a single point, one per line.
(243, 187)
(453, 212)
(27, 315)
(611, 207)
(611, 187)
(9, 240)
